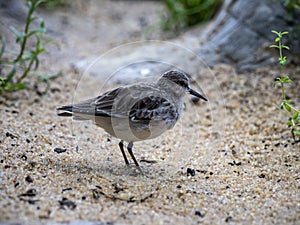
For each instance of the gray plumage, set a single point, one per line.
(136, 112)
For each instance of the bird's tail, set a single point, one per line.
(65, 111)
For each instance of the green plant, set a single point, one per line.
(54, 4)
(286, 104)
(184, 13)
(25, 61)
(292, 5)
(293, 9)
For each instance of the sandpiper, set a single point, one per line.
(136, 112)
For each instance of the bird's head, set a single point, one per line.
(182, 80)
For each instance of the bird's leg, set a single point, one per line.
(129, 148)
(121, 145)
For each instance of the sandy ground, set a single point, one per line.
(231, 160)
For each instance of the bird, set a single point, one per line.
(136, 112)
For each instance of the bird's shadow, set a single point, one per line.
(114, 180)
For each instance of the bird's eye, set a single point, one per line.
(182, 83)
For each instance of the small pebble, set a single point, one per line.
(190, 172)
(96, 194)
(28, 179)
(234, 163)
(32, 201)
(60, 150)
(55, 89)
(29, 193)
(11, 135)
(68, 203)
(199, 213)
(228, 219)
(67, 189)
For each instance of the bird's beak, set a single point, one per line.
(195, 93)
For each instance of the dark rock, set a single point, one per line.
(67, 189)
(67, 203)
(60, 150)
(29, 193)
(190, 172)
(241, 34)
(228, 219)
(14, 8)
(199, 213)
(29, 179)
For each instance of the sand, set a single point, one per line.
(231, 160)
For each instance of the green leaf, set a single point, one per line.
(35, 31)
(32, 32)
(42, 25)
(282, 61)
(277, 39)
(33, 18)
(37, 3)
(56, 43)
(11, 73)
(36, 63)
(287, 107)
(2, 82)
(274, 46)
(286, 47)
(295, 116)
(286, 80)
(289, 123)
(15, 87)
(276, 83)
(18, 34)
(275, 32)
(284, 32)
(20, 86)
(46, 78)
(296, 131)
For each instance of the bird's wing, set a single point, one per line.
(138, 102)
(99, 106)
(153, 108)
(103, 104)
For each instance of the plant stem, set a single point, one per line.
(280, 59)
(282, 90)
(280, 49)
(24, 39)
(26, 71)
(293, 108)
